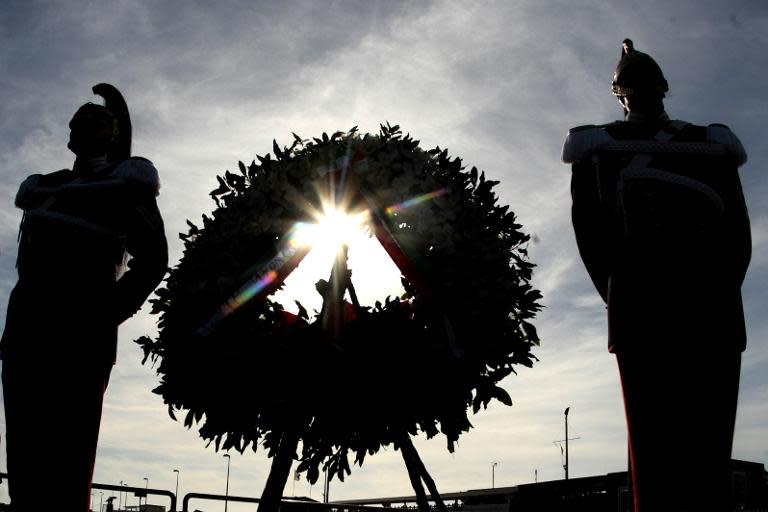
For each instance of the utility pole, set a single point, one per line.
(566, 464)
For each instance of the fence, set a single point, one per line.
(286, 505)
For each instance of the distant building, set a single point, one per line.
(604, 493)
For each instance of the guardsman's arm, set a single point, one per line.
(590, 225)
(145, 241)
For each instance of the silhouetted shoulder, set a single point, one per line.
(721, 134)
(34, 181)
(718, 135)
(582, 141)
(52, 179)
(140, 171)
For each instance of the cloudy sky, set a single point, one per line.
(498, 84)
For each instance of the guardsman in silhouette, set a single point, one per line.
(663, 231)
(92, 247)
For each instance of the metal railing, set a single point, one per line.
(214, 497)
(286, 504)
(139, 492)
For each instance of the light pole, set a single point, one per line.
(226, 489)
(566, 441)
(123, 493)
(493, 475)
(120, 495)
(101, 501)
(146, 487)
(177, 483)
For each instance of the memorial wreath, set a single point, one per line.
(349, 378)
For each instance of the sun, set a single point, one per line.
(333, 228)
(374, 274)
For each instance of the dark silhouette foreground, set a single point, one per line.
(663, 231)
(60, 337)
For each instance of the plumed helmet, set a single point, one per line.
(120, 149)
(107, 126)
(637, 73)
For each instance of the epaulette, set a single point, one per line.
(138, 170)
(33, 181)
(26, 187)
(721, 134)
(59, 175)
(582, 141)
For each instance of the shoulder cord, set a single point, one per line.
(643, 159)
(640, 160)
(43, 207)
(42, 211)
(637, 168)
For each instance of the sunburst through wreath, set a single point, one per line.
(349, 378)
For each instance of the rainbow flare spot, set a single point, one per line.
(299, 236)
(249, 291)
(395, 208)
(296, 238)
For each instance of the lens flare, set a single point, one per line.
(333, 228)
(396, 208)
(249, 291)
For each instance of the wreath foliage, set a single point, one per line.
(408, 364)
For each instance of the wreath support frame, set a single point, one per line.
(417, 472)
(340, 281)
(279, 472)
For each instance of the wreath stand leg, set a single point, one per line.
(417, 472)
(413, 474)
(279, 472)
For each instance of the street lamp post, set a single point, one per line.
(101, 501)
(493, 475)
(226, 489)
(146, 487)
(177, 483)
(566, 441)
(120, 495)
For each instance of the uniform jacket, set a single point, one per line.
(80, 227)
(667, 246)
